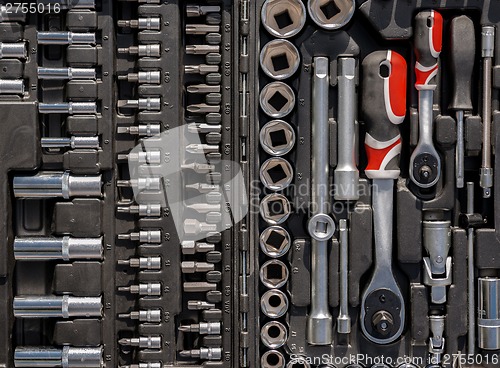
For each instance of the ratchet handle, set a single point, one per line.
(428, 45)
(384, 108)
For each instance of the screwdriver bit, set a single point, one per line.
(195, 227)
(145, 289)
(193, 267)
(198, 168)
(143, 342)
(66, 73)
(199, 305)
(65, 38)
(144, 210)
(150, 50)
(64, 248)
(199, 148)
(12, 50)
(150, 77)
(142, 130)
(70, 108)
(203, 108)
(150, 184)
(146, 315)
(203, 353)
(198, 286)
(143, 236)
(204, 128)
(203, 328)
(199, 10)
(203, 88)
(202, 69)
(200, 29)
(65, 306)
(204, 207)
(146, 103)
(147, 23)
(144, 263)
(143, 158)
(192, 247)
(73, 142)
(201, 49)
(65, 357)
(203, 188)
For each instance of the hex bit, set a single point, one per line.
(72, 142)
(15, 50)
(195, 227)
(65, 306)
(143, 236)
(144, 289)
(198, 287)
(65, 38)
(65, 248)
(203, 328)
(141, 130)
(199, 10)
(143, 210)
(70, 108)
(143, 342)
(66, 73)
(194, 267)
(203, 353)
(146, 23)
(150, 50)
(146, 315)
(146, 103)
(65, 357)
(199, 305)
(144, 263)
(193, 247)
(148, 77)
(141, 184)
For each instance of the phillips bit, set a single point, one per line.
(143, 236)
(202, 148)
(146, 315)
(203, 328)
(146, 103)
(143, 342)
(12, 50)
(148, 23)
(201, 49)
(199, 168)
(151, 77)
(202, 69)
(151, 50)
(199, 10)
(150, 184)
(65, 357)
(66, 73)
(195, 227)
(143, 158)
(144, 365)
(203, 353)
(73, 142)
(145, 289)
(201, 29)
(204, 188)
(193, 267)
(70, 108)
(204, 128)
(203, 108)
(199, 305)
(143, 210)
(204, 207)
(144, 263)
(142, 130)
(65, 38)
(203, 88)
(199, 287)
(192, 247)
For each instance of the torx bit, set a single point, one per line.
(204, 128)
(198, 168)
(199, 305)
(193, 267)
(143, 342)
(195, 227)
(143, 236)
(203, 188)
(145, 364)
(146, 103)
(192, 247)
(200, 148)
(201, 49)
(150, 50)
(146, 23)
(65, 38)
(141, 184)
(12, 50)
(203, 353)
(204, 207)
(201, 29)
(142, 130)
(202, 69)
(66, 306)
(64, 248)
(203, 328)
(203, 108)
(203, 88)
(66, 73)
(143, 158)
(73, 142)
(199, 10)
(70, 108)
(146, 315)
(65, 357)
(11, 86)
(143, 210)
(149, 77)
(144, 263)
(47, 184)
(198, 286)
(144, 289)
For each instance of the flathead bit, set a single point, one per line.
(201, 148)
(199, 168)
(203, 88)
(203, 328)
(204, 128)
(199, 10)
(201, 49)
(202, 69)
(202, 108)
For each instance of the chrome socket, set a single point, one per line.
(65, 248)
(331, 14)
(279, 59)
(274, 335)
(11, 86)
(275, 241)
(488, 321)
(274, 274)
(272, 359)
(277, 99)
(276, 173)
(283, 18)
(274, 303)
(12, 50)
(277, 137)
(275, 209)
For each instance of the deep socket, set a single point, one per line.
(11, 86)
(66, 73)
(70, 108)
(65, 357)
(65, 306)
(73, 142)
(65, 38)
(12, 50)
(65, 248)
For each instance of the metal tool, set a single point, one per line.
(146, 315)
(384, 107)
(15, 50)
(142, 342)
(203, 328)
(201, 49)
(275, 241)
(199, 10)
(201, 148)
(203, 88)
(144, 263)
(141, 184)
(11, 86)
(198, 286)
(274, 335)
(195, 227)
(148, 77)
(488, 320)
(202, 69)
(65, 357)
(204, 207)
(277, 137)
(48, 184)
(142, 158)
(277, 99)
(65, 38)
(194, 267)
(203, 187)
(65, 306)
(471, 283)
(66, 73)
(346, 174)
(142, 130)
(283, 18)
(144, 289)
(70, 108)
(272, 359)
(145, 23)
(425, 163)
(65, 248)
(143, 210)
(487, 53)
(279, 59)
(275, 208)
(274, 274)
(150, 50)
(193, 247)
(203, 353)
(437, 340)
(201, 29)
(321, 227)
(344, 320)
(143, 236)
(203, 108)
(72, 142)
(331, 14)
(274, 303)
(462, 53)
(202, 128)
(146, 103)
(199, 305)
(276, 173)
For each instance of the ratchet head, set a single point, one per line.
(428, 45)
(384, 107)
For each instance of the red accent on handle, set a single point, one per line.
(377, 155)
(397, 86)
(423, 77)
(437, 31)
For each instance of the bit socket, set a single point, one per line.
(144, 263)
(66, 357)
(143, 342)
(70, 108)
(151, 50)
(199, 305)
(65, 38)
(147, 315)
(199, 287)
(144, 289)
(142, 158)
(141, 184)
(72, 143)
(193, 267)
(12, 50)
(142, 130)
(66, 73)
(143, 210)
(203, 328)
(147, 23)
(199, 10)
(56, 184)
(65, 248)
(57, 306)
(201, 49)
(146, 103)
(150, 77)
(202, 69)
(201, 29)
(203, 353)
(11, 86)
(192, 247)
(143, 236)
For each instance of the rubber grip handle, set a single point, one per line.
(384, 107)
(428, 44)
(462, 53)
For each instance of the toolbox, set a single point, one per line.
(251, 183)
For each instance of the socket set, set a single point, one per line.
(268, 183)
